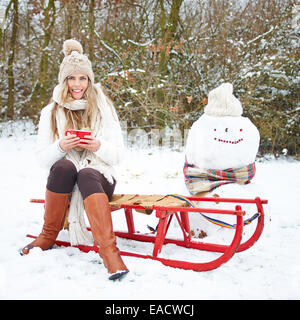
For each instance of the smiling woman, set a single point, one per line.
(77, 85)
(81, 174)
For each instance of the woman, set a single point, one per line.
(81, 170)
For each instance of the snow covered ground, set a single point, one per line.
(268, 270)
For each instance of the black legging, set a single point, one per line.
(63, 176)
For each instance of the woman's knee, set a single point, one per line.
(92, 181)
(88, 182)
(87, 174)
(64, 166)
(62, 177)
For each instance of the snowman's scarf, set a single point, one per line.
(205, 180)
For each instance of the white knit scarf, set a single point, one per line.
(77, 227)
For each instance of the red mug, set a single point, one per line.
(79, 133)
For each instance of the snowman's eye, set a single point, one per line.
(226, 130)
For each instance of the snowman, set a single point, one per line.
(221, 149)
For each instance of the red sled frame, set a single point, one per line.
(165, 216)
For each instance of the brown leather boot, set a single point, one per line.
(56, 205)
(98, 212)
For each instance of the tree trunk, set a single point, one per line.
(11, 57)
(69, 8)
(168, 33)
(92, 28)
(38, 97)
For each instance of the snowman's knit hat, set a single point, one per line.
(222, 102)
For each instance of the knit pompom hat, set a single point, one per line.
(222, 102)
(74, 61)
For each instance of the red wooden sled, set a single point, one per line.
(165, 214)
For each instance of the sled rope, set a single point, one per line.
(215, 221)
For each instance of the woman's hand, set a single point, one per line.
(68, 142)
(90, 143)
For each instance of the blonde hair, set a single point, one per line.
(75, 119)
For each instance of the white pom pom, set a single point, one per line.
(72, 45)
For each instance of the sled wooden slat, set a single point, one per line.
(167, 208)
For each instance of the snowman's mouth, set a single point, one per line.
(229, 141)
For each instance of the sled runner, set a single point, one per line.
(175, 206)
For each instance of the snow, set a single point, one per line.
(268, 270)
(222, 142)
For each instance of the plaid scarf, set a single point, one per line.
(205, 180)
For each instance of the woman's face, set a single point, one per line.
(77, 85)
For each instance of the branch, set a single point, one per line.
(108, 47)
(6, 14)
(260, 36)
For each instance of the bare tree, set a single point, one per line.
(91, 29)
(168, 32)
(41, 85)
(11, 58)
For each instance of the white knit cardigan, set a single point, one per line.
(110, 153)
